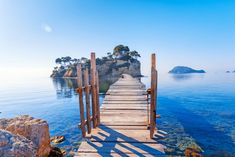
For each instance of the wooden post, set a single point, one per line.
(156, 92)
(97, 98)
(148, 122)
(93, 89)
(80, 91)
(153, 96)
(87, 90)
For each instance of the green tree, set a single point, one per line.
(134, 54)
(84, 60)
(120, 50)
(109, 55)
(58, 61)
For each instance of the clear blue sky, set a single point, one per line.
(196, 33)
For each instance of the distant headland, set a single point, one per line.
(230, 71)
(184, 70)
(110, 67)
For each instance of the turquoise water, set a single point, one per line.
(196, 109)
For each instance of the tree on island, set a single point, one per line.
(58, 61)
(135, 54)
(109, 55)
(124, 51)
(120, 50)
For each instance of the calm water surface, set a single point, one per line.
(196, 109)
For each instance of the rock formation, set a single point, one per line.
(34, 130)
(110, 71)
(12, 145)
(184, 70)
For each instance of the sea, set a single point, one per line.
(197, 110)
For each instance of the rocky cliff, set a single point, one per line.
(24, 136)
(110, 71)
(15, 145)
(110, 68)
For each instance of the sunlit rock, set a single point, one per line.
(35, 130)
(12, 145)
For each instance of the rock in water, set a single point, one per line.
(16, 145)
(56, 152)
(184, 70)
(57, 139)
(35, 130)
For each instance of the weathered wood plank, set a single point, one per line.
(114, 154)
(122, 147)
(106, 134)
(124, 127)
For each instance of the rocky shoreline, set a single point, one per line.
(26, 136)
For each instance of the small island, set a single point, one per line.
(184, 70)
(110, 67)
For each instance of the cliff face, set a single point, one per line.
(110, 71)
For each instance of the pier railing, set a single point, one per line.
(88, 87)
(88, 90)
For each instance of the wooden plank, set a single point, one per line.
(126, 148)
(114, 154)
(125, 108)
(125, 96)
(124, 127)
(125, 102)
(106, 134)
(124, 117)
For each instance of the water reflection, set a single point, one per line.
(65, 88)
(184, 77)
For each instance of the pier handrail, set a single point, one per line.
(90, 90)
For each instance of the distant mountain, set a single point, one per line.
(184, 70)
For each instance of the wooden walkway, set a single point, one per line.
(124, 119)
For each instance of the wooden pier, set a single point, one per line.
(125, 124)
